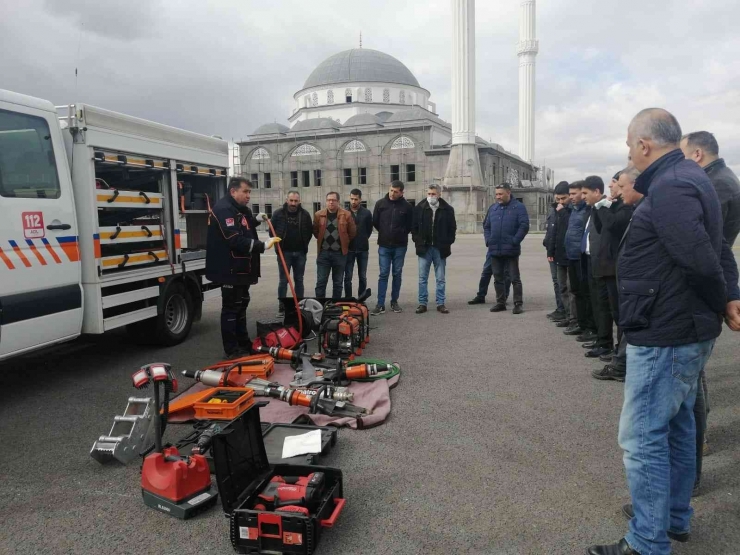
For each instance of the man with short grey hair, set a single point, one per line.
(702, 148)
(677, 278)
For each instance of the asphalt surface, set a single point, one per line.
(499, 441)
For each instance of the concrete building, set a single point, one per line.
(361, 120)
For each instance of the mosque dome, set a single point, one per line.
(271, 129)
(360, 65)
(363, 119)
(316, 123)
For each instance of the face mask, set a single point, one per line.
(433, 201)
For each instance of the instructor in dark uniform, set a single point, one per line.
(233, 262)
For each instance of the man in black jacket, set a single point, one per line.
(556, 252)
(611, 218)
(702, 148)
(677, 278)
(293, 224)
(392, 218)
(552, 215)
(433, 232)
(233, 261)
(359, 247)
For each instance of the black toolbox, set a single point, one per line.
(243, 471)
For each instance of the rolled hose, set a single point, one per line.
(392, 373)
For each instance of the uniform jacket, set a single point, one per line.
(393, 219)
(441, 234)
(232, 248)
(347, 228)
(505, 227)
(675, 270)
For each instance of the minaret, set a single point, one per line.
(527, 51)
(463, 178)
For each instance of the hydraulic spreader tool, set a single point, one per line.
(173, 484)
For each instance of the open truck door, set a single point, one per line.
(40, 290)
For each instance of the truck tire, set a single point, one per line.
(172, 326)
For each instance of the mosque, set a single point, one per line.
(361, 120)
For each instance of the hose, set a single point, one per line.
(392, 373)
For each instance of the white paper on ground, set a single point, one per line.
(303, 444)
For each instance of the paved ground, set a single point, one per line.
(499, 441)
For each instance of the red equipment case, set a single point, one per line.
(242, 473)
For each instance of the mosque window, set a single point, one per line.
(348, 96)
(305, 150)
(386, 95)
(355, 146)
(363, 176)
(330, 97)
(402, 142)
(260, 154)
(395, 172)
(402, 97)
(368, 94)
(314, 99)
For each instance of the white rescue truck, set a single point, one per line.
(91, 209)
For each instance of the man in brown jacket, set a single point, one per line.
(333, 228)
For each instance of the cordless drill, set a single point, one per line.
(292, 493)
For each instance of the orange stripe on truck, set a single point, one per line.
(35, 251)
(53, 254)
(7, 261)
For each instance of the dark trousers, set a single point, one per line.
(296, 263)
(234, 303)
(556, 287)
(620, 355)
(499, 266)
(701, 412)
(579, 287)
(333, 262)
(600, 308)
(485, 279)
(361, 258)
(566, 295)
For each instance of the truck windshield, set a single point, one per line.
(27, 165)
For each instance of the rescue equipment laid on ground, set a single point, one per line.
(130, 435)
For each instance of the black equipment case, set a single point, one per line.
(243, 471)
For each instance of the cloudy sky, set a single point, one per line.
(224, 67)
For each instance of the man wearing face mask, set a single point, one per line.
(433, 232)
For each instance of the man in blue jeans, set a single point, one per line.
(392, 218)
(333, 228)
(433, 231)
(359, 247)
(677, 277)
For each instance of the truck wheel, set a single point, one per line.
(174, 323)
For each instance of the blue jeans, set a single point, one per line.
(554, 274)
(425, 263)
(361, 258)
(657, 434)
(390, 256)
(296, 262)
(334, 262)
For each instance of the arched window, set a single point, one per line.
(386, 95)
(368, 94)
(402, 97)
(306, 150)
(355, 146)
(314, 99)
(402, 142)
(330, 97)
(348, 96)
(260, 154)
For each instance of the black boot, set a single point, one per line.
(621, 548)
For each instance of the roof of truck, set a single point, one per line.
(25, 100)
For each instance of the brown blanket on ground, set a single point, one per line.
(374, 396)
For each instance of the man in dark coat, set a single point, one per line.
(556, 253)
(558, 314)
(359, 247)
(702, 148)
(504, 229)
(433, 232)
(392, 218)
(677, 277)
(611, 218)
(293, 225)
(233, 261)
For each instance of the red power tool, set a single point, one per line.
(178, 486)
(299, 494)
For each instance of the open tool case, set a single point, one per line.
(243, 471)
